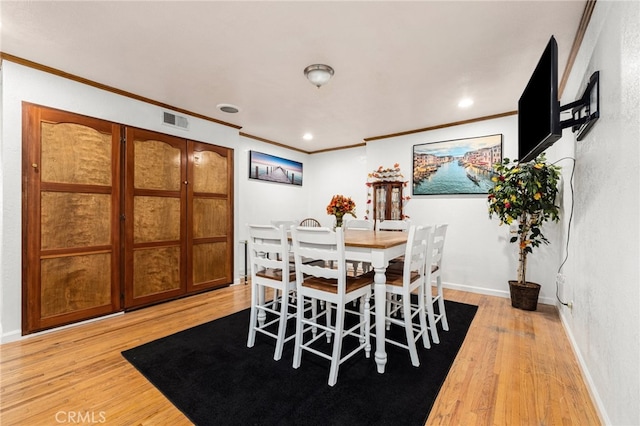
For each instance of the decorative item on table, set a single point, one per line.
(525, 194)
(389, 174)
(339, 206)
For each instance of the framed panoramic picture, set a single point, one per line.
(461, 166)
(274, 169)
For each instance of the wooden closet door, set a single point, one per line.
(155, 217)
(71, 207)
(210, 243)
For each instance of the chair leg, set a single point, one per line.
(253, 317)
(314, 312)
(441, 309)
(428, 303)
(422, 318)
(408, 329)
(328, 319)
(282, 325)
(297, 351)
(337, 346)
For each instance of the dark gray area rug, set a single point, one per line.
(210, 375)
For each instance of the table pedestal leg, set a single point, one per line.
(380, 291)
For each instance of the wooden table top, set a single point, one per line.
(374, 239)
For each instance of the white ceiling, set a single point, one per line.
(399, 66)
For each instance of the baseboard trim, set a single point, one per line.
(491, 292)
(593, 391)
(15, 335)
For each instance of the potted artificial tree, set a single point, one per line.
(524, 194)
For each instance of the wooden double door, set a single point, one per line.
(116, 217)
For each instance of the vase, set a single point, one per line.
(339, 220)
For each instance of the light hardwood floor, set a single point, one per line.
(514, 368)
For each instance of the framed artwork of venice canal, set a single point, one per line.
(274, 169)
(461, 166)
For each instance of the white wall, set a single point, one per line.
(342, 172)
(479, 257)
(602, 275)
(261, 201)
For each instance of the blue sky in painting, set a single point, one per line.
(457, 148)
(271, 160)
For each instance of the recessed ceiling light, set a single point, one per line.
(465, 102)
(228, 108)
(307, 136)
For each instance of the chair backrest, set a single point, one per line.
(393, 225)
(439, 235)
(310, 222)
(418, 254)
(359, 224)
(268, 251)
(323, 245)
(286, 223)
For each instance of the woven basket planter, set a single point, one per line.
(524, 296)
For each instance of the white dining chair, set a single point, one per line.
(286, 223)
(400, 287)
(436, 282)
(393, 225)
(364, 225)
(331, 285)
(270, 268)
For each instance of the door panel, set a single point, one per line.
(157, 271)
(74, 283)
(211, 220)
(155, 218)
(71, 248)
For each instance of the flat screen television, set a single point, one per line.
(539, 108)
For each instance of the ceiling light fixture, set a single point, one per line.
(228, 108)
(307, 136)
(318, 74)
(465, 103)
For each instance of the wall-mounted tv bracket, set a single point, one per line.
(586, 110)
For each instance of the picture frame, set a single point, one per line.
(459, 166)
(270, 168)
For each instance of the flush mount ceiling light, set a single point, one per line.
(318, 74)
(228, 108)
(465, 103)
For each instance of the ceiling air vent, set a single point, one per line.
(175, 120)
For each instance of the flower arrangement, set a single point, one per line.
(382, 174)
(525, 193)
(387, 174)
(339, 206)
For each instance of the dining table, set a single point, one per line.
(376, 248)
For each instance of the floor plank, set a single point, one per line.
(515, 367)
